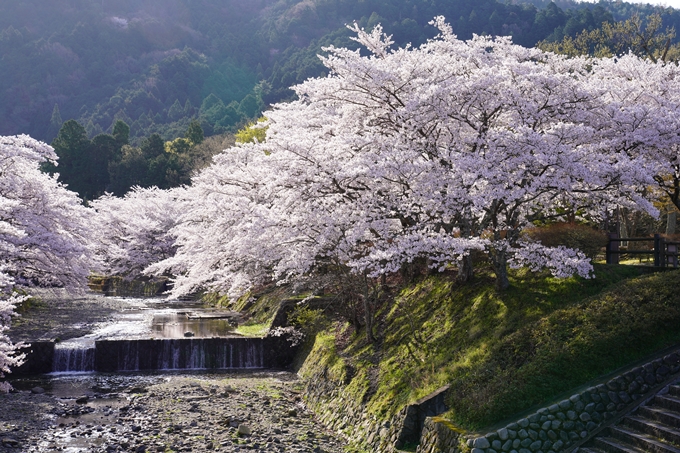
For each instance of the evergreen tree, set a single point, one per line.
(176, 111)
(194, 133)
(55, 123)
(121, 132)
(152, 146)
(188, 108)
(73, 148)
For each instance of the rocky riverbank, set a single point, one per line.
(180, 413)
(188, 412)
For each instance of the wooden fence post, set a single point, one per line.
(672, 260)
(659, 252)
(612, 255)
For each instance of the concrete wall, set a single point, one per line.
(39, 355)
(184, 353)
(193, 353)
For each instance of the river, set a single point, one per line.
(80, 410)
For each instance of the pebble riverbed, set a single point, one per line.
(254, 412)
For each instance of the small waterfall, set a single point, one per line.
(87, 355)
(181, 354)
(73, 358)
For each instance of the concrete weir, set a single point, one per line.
(163, 354)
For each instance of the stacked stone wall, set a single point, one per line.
(559, 427)
(564, 425)
(438, 436)
(343, 415)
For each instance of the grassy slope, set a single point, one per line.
(260, 307)
(503, 353)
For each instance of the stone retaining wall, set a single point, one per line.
(341, 414)
(440, 436)
(411, 419)
(344, 416)
(559, 426)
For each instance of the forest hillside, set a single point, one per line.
(156, 65)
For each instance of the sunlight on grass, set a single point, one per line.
(504, 352)
(252, 330)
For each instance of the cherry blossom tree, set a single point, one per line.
(45, 239)
(645, 108)
(9, 357)
(431, 153)
(132, 232)
(499, 135)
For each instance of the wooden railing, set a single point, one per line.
(665, 252)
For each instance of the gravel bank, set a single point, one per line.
(256, 413)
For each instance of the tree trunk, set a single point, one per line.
(465, 264)
(672, 221)
(368, 317)
(368, 312)
(499, 261)
(465, 269)
(356, 321)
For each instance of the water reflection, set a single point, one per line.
(163, 319)
(179, 324)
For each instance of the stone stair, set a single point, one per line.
(652, 427)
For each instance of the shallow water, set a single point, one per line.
(118, 413)
(160, 319)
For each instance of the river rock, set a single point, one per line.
(9, 442)
(166, 421)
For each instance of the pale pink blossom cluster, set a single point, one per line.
(133, 232)
(428, 152)
(45, 233)
(562, 261)
(9, 357)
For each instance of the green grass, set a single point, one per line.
(252, 330)
(31, 303)
(269, 390)
(505, 352)
(261, 305)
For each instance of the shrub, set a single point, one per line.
(310, 321)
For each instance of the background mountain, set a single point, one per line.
(158, 64)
